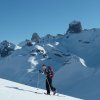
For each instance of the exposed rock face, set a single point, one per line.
(50, 36)
(35, 38)
(6, 48)
(28, 42)
(75, 27)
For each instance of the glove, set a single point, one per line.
(40, 71)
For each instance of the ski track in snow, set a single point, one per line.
(15, 91)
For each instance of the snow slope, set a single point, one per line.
(15, 91)
(85, 45)
(78, 81)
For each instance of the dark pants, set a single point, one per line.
(49, 85)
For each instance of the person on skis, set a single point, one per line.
(49, 76)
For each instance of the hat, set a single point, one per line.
(43, 65)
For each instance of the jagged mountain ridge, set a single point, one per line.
(74, 56)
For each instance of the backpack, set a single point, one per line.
(50, 72)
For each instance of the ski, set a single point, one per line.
(38, 93)
(54, 95)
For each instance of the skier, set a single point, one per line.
(49, 75)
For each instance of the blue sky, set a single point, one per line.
(20, 18)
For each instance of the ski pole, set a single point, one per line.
(38, 80)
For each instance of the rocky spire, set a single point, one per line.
(74, 27)
(35, 37)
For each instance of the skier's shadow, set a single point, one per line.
(22, 89)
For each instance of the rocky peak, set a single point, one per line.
(75, 27)
(6, 48)
(35, 38)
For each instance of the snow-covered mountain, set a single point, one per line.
(6, 48)
(15, 91)
(74, 56)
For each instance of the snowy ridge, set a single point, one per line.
(15, 91)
